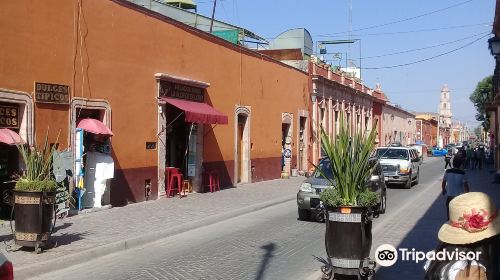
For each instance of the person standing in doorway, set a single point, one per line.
(454, 182)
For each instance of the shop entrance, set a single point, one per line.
(9, 165)
(94, 164)
(10, 121)
(177, 137)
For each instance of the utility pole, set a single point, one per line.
(213, 15)
(437, 138)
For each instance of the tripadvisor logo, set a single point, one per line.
(387, 255)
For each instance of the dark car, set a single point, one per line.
(308, 201)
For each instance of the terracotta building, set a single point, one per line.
(333, 94)
(398, 126)
(426, 130)
(172, 95)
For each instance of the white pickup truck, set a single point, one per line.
(400, 165)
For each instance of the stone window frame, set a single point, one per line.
(26, 100)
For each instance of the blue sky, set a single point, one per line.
(415, 87)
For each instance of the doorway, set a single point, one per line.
(302, 136)
(285, 147)
(177, 131)
(242, 145)
(90, 150)
(239, 141)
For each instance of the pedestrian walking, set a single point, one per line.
(481, 156)
(473, 232)
(475, 158)
(447, 159)
(468, 157)
(454, 182)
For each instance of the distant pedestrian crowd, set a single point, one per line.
(473, 158)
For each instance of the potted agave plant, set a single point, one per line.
(349, 202)
(34, 197)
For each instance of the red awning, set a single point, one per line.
(94, 126)
(198, 112)
(10, 137)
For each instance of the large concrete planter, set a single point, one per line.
(348, 240)
(34, 212)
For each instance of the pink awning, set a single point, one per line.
(198, 112)
(10, 137)
(94, 126)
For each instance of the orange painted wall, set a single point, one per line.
(122, 50)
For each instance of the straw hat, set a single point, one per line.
(473, 217)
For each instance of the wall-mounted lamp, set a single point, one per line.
(494, 45)
(313, 97)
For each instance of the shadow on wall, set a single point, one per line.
(128, 184)
(225, 169)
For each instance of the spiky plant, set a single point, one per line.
(36, 175)
(349, 160)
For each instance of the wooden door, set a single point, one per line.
(239, 142)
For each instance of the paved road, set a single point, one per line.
(266, 244)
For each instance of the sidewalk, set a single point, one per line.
(85, 236)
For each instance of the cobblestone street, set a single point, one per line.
(272, 244)
(107, 231)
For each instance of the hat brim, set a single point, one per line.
(453, 235)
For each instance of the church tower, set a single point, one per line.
(445, 107)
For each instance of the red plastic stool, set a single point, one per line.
(213, 181)
(175, 179)
(169, 171)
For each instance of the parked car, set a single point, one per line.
(308, 201)
(451, 147)
(421, 150)
(6, 268)
(401, 165)
(437, 152)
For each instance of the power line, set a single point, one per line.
(425, 48)
(426, 59)
(484, 24)
(410, 18)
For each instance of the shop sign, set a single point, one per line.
(51, 93)
(179, 91)
(150, 145)
(9, 116)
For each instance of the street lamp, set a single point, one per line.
(313, 97)
(494, 45)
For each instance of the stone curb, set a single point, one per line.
(103, 250)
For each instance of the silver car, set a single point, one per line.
(308, 201)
